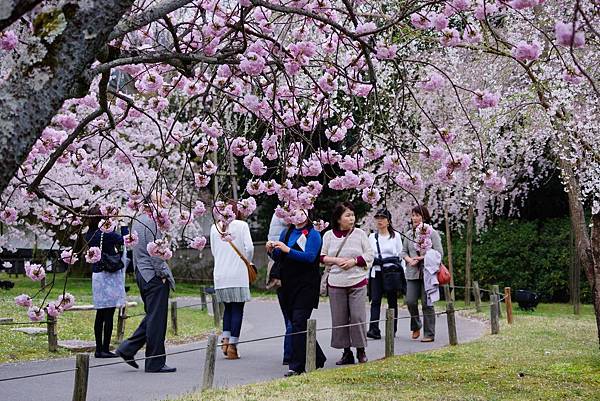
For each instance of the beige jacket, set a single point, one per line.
(356, 245)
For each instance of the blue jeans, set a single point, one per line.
(232, 318)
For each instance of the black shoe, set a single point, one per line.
(347, 359)
(105, 354)
(375, 335)
(164, 369)
(291, 373)
(128, 359)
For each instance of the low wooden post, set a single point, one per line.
(174, 317)
(508, 303)
(209, 362)
(121, 319)
(451, 319)
(311, 345)
(204, 306)
(82, 366)
(496, 290)
(389, 332)
(494, 318)
(216, 310)
(52, 335)
(477, 296)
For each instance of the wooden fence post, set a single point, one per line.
(496, 290)
(494, 318)
(203, 298)
(508, 302)
(451, 319)
(389, 332)
(477, 296)
(209, 362)
(82, 365)
(52, 335)
(174, 317)
(447, 293)
(311, 345)
(216, 310)
(121, 319)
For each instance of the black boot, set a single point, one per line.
(375, 334)
(347, 358)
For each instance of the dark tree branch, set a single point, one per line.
(19, 8)
(28, 102)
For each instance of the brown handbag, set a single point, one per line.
(252, 270)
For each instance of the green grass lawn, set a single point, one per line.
(549, 354)
(192, 323)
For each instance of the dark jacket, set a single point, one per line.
(299, 269)
(110, 242)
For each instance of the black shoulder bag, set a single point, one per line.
(109, 263)
(391, 271)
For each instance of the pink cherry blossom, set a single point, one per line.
(8, 40)
(65, 301)
(371, 196)
(523, 4)
(198, 243)
(9, 215)
(386, 52)
(527, 51)
(485, 9)
(252, 64)
(107, 225)
(199, 209)
(130, 240)
(93, 255)
(327, 83)
(35, 271)
(53, 310)
(572, 76)
(420, 21)
(471, 35)
(494, 182)
(150, 82)
(566, 37)
(461, 5)
(336, 134)
(439, 22)
(160, 248)
(391, 164)
(372, 153)
(484, 100)
(450, 37)
(410, 183)
(257, 167)
(23, 300)
(246, 206)
(69, 257)
(201, 180)
(36, 314)
(433, 83)
(320, 225)
(352, 162)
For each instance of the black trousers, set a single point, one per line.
(299, 318)
(153, 328)
(376, 287)
(103, 327)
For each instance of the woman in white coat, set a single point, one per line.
(232, 286)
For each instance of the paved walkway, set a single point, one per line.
(260, 361)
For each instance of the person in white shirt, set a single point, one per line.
(387, 275)
(232, 285)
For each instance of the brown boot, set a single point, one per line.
(224, 345)
(232, 352)
(361, 355)
(416, 334)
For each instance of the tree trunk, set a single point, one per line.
(588, 251)
(468, 256)
(38, 85)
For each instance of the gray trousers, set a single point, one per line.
(415, 289)
(348, 306)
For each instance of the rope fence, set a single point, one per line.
(82, 360)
